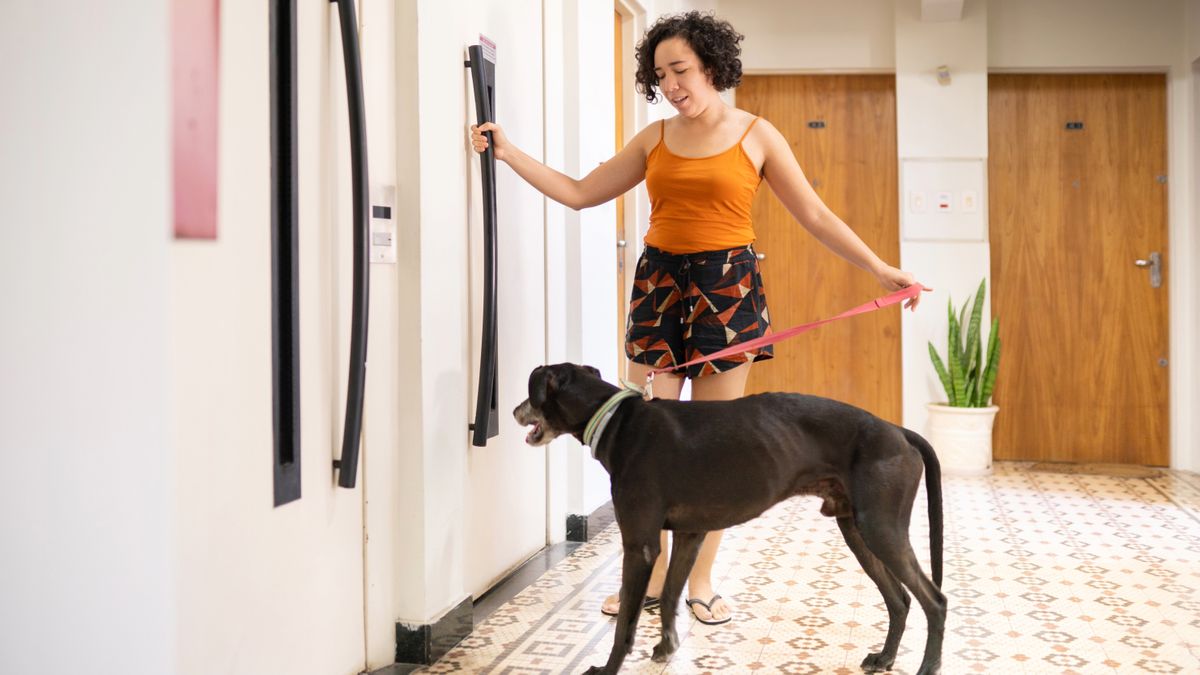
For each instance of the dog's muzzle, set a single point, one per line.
(525, 416)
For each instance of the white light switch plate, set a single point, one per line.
(916, 202)
(970, 201)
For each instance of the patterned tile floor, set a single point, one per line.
(1044, 572)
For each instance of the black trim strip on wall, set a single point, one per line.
(347, 466)
(487, 418)
(285, 261)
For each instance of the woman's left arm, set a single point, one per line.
(782, 172)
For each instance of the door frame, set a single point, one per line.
(1187, 292)
(1183, 278)
(635, 115)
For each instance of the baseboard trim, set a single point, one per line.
(581, 528)
(425, 644)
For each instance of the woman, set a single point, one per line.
(702, 169)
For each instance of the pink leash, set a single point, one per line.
(878, 303)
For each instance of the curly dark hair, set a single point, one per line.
(713, 40)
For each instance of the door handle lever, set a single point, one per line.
(1154, 264)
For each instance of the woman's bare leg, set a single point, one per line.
(666, 385)
(724, 386)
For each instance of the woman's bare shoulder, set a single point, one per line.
(762, 135)
(744, 116)
(648, 137)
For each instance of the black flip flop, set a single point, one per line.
(649, 603)
(692, 602)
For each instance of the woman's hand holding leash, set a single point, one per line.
(894, 279)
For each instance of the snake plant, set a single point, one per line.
(968, 380)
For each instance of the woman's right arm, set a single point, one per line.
(607, 181)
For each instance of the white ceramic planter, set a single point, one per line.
(962, 438)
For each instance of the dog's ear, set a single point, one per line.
(542, 382)
(594, 371)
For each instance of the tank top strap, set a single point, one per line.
(752, 123)
(662, 130)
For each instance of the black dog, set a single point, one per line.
(697, 466)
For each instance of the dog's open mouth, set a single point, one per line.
(535, 434)
(527, 416)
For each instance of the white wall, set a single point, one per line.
(855, 35)
(390, 478)
(255, 581)
(1083, 34)
(87, 566)
(589, 252)
(1192, 26)
(564, 473)
(939, 122)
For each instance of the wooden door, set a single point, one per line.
(842, 129)
(1083, 374)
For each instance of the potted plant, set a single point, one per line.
(961, 428)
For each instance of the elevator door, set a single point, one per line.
(506, 488)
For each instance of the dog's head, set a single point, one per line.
(561, 400)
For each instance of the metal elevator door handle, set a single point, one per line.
(482, 63)
(360, 198)
(1154, 263)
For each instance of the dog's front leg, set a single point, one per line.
(635, 577)
(684, 549)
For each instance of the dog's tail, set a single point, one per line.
(933, 489)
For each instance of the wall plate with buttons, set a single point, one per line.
(947, 199)
(383, 224)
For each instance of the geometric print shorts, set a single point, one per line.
(684, 306)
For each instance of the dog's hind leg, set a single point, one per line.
(684, 549)
(640, 554)
(885, 533)
(894, 596)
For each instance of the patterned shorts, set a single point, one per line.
(691, 305)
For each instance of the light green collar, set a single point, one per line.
(595, 426)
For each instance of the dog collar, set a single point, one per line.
(595, 426)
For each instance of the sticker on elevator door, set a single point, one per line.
(195, 46)
(489, 47)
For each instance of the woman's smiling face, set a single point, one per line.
(681, 77)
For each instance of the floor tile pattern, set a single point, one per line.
(1044, 573)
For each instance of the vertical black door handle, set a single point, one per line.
(360, 196)
(285, 274)
(487, 418)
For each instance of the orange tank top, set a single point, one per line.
(700, 203)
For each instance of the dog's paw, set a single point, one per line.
(930, 668)
(664, 649)
(878, 663)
